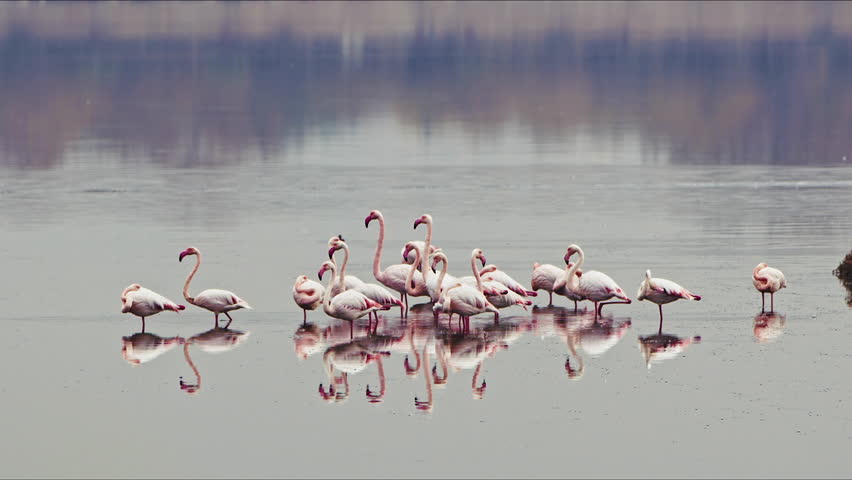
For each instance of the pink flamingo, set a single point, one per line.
(547, 277)
(767, 280)
(373, 291)
(662, 291)
(393, 276)
(466, 300)
(428, 275)
(408, 256)
(348, 305)
(592, 285)
(412, 287)
(215, 300)
(142, 302)
(344, 281)
(492, 288)
(307, 294)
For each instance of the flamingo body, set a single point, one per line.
(767, 280)
(662, 291)
(143, 302)
(307, 293)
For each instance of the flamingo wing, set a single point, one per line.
(221, 299)
(671, 288)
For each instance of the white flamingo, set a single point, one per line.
(142, 302)
(408, 256)
(373, 291)
(344, 281)
(307, 294)
(428, 275)
(348, 305)
(393, 276)
(544, 276)
(466, 300)
(492, 288)
(592, 285)
(215, 300)
(767, 280)
(662, 291)
(498, 275)
(412, 287)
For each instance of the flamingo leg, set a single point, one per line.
(600, 308)
(661, 314)
(143, 324)
(550, 302)
(762, 302)
(229, 320)
(575, 306)
(216, 319)
(304, 317)
(772, 302)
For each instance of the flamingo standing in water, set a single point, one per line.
(348, 305)
(307, 294)
(373, 291)
(428, 275)
(344, 281)
(592, 285)
(544, 276)
(393, 276)
(767, 280)
(215, 300)
(662, 291)
(142, 302)
(466, 300)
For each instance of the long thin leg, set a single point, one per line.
(304, 317)
(661, 313)
(575, 306)
(143, 324)
(597, 310)
(772, 302)
(762, 302)
(229, 320)
(550, 302)
(600, 308)
(216, 319)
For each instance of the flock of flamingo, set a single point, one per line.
(488, 289)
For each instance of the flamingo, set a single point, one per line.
(393, 276)
(767, 280)
(428, 274)
(217, 340)
(662, 291)
(307, 294)
(492, 288)
(664, 346)
(373, 291)
(142, 302)
(500, 276)
(215, 300)
(413, 288)
(143, 347)
(592, 285)
(408, 256)
(344, 281)
(466, 300)
(348, 305)
(544, 276)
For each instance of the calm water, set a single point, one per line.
(656, 136)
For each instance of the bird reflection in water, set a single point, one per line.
(582, 333)
(663, 346)
(143, 347)
(769, 326)
(353, 357)
(217, 340)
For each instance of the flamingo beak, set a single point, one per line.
(567, 258)
(405, 254)
(182, 254)
(417, 222)
(367, 221)
(482, 259)
(331, 253)
(321, 271)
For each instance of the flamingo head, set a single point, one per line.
(335, 244)
(477, 253)
(425, 218)
(326, 266)
(437, 258)
(188, 251)
(374, 215)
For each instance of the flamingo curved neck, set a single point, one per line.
(475, 272)
(756, 275)
(424, 257)
(189, 361)
(444, 268)
(326, 299)
(377, 259)
(410, 287)
(572, 279)
(342, 275)
(189, 279)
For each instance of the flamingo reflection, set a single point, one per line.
(217, 340)
(583, 335)
(769, 326)
(663, 346)
(143, 347)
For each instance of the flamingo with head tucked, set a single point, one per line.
(142, 302)
(662, 291)
(592, 285)
(307, 294)
(393, 276)
(215, 300)
(767, 280)
(466, 300)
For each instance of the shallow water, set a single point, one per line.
(257, 164)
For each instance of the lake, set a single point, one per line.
(692, 139)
